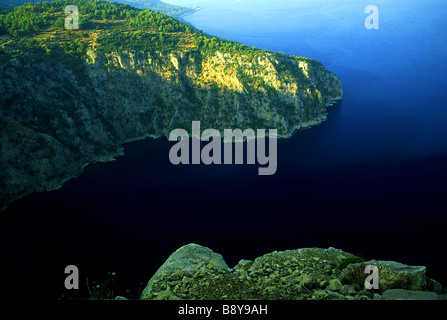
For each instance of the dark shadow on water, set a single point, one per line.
(128, 216)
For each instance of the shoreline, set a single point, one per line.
(192, 11)
(121, 151)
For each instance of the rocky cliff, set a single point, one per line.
(56, 118)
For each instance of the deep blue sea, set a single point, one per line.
(371, 180)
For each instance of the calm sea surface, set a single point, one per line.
(371, 180)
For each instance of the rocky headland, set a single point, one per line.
(57, 118)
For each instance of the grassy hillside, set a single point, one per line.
(115, 26)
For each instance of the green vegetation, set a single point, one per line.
(209, 44)
(23, 20)
(10, 4)
(115, 27)
(109, 27)
(176, 12)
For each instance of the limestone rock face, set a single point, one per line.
(56, 118)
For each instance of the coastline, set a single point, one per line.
(193, 10)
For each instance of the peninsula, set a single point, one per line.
(69, 98)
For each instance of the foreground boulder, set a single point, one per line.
(188, 262)
(194, 272)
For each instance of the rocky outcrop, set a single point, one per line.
(57, 117)
(197, 273)
(392, 275)
(190, 261)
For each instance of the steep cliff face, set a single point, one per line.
(54, 120)
(147, 94)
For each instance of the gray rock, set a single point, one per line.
(191, 260)
(392, 275)
(402, 294)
